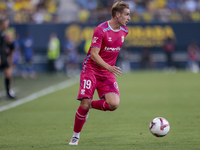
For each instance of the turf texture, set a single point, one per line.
(47, 122)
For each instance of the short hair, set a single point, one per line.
(3, 18)
(119, 7)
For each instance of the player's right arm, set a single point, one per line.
(97, 59)
(95, 49)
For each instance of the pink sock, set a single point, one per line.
(80, 119)
(100, 105)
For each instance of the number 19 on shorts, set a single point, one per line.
(87, 84)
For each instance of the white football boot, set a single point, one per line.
(74, 141)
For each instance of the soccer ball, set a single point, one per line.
(159, 127)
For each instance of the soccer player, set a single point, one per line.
(99, 70)
(6, 56)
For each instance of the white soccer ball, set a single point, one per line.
(159, 127)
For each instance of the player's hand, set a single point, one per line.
(115, 70)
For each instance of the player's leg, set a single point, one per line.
(110, 103)
(81, 114)
(86, 91)
(80, 118)
(8, 80)
(112, 100)
(109, 93)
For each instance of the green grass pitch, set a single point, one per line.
(47, 122)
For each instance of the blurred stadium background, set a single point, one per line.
(47, 122)
(152, 22)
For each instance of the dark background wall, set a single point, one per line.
(140, 36)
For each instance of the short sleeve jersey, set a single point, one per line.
(109, 42)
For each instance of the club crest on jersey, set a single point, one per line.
(94, 40)
(115, 85)
(109, 39)
(122, 39)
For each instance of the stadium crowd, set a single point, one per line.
(144, 10)
(29, 11)
(47, 11)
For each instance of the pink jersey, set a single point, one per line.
(110, 42)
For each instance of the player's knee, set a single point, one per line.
(85, 103)
(114, 105)
(112, 100)
(8, 73)
(85, 106)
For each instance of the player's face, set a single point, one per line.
(124, 18)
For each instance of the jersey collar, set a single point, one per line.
(112, 28)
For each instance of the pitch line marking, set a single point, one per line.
(43, 92)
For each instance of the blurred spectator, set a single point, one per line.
(45, 11)
(3, 6)
(147, 17)
(53, 52)
(190, 5)
(38, 16)
(82, 3)
(146, 60)
(175, 16)
(29, 11)
(27, 52)
(135, 17)
(70, 49)
(169, 47)
(132, 5)
(83, 15)
(92, 5)
(172, 4)
(195, 16)
(152, 10)
(193, 57)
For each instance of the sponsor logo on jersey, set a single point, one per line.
(111, 49)
(94, 40)
(109, 39)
